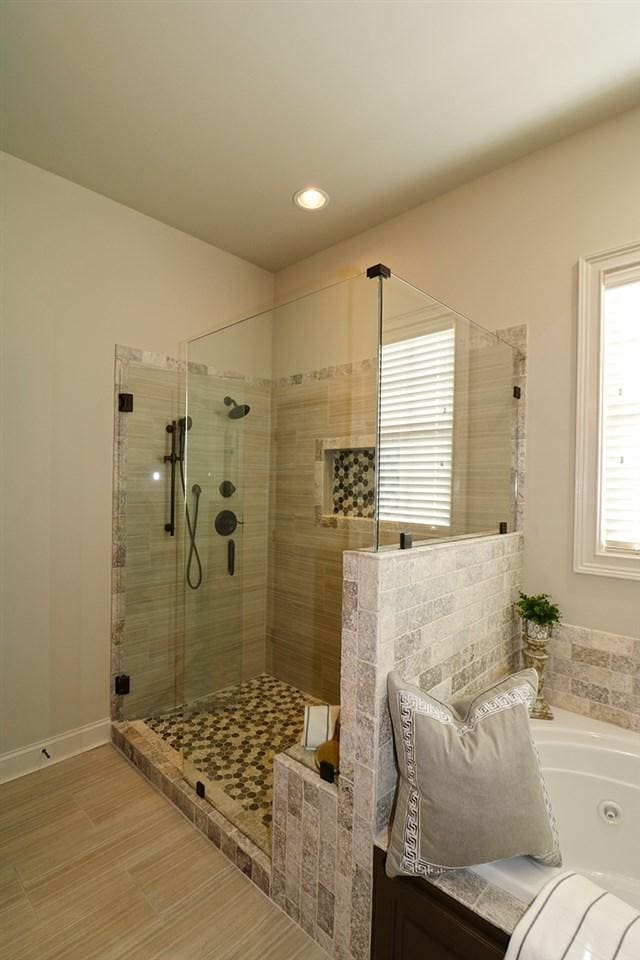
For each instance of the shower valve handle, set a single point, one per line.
(226, 523)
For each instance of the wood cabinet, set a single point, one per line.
(413, 920)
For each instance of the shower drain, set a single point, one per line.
(610, 811)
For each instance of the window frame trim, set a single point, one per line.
(589, 556)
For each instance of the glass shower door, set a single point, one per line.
(227, 479)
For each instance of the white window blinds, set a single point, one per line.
(620, 419)
(416, 429)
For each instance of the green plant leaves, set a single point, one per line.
(539, 609)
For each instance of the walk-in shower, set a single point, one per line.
(340, 421)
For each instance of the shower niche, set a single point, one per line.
(345, 480)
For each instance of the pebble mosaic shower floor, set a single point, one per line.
(229, 740)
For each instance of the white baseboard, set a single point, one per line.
(16, 763)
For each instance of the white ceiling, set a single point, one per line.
(208, 115)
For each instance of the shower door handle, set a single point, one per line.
(231, 557)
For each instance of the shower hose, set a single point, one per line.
(196, 490)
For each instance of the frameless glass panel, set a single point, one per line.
(151, 584)
(283, 414)
(227, 473)
(447, 422)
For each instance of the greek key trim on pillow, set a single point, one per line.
(444, 757)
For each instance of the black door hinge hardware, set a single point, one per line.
(503, 527)
(406, 541)
(517, 392)
(123, 684)
(378, 270)
(125, 403)
(200, 788)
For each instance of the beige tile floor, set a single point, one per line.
(96, 865)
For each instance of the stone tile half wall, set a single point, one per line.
(596, 674)
(443, 615)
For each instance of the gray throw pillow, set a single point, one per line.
(470, 789)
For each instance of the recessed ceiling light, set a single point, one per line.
(311, 198)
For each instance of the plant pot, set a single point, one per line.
(536, 642)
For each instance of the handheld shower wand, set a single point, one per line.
(185, 424)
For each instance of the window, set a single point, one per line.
(620, 456)
(607, 515)
(416, 429)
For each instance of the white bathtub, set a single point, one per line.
(592, 770)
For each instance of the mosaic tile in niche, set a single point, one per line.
(353, 482)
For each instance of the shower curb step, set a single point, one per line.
(160, 769)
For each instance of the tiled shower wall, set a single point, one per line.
(225, 618)
(443, 615)
(235, 626)
(307, 541)
(309, 411)
(596, 674)
(281, 611)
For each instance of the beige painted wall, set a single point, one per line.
(503, 250)
(80, 274)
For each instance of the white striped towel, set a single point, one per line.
(573, 919)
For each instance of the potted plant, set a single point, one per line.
(539, 613)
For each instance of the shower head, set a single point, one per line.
(238, 410)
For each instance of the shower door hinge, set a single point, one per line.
(200, 788)
(125, 403)
(123, 684)
(504, 527)
(378, 270)
(517, 392)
